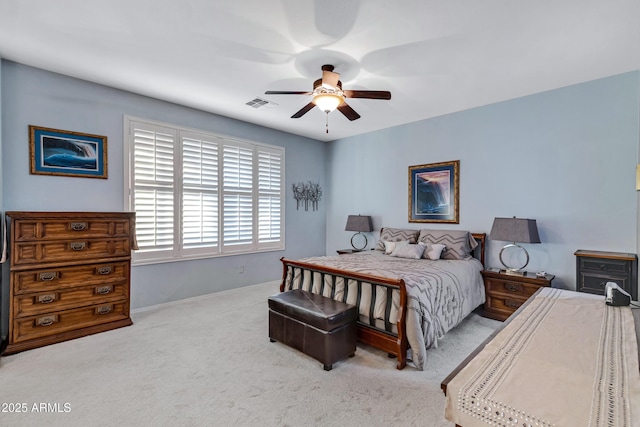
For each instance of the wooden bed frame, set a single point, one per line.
(383, 339)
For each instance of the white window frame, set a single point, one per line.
(264, 189)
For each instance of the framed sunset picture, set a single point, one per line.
(434, 192)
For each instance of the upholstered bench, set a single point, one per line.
(320, 327)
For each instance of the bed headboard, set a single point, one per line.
(478, 252)
(407, 234)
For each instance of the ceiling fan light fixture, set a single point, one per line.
(328, 101)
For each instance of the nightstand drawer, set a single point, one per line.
(595, 284)
(503, 304)
(604, 265)
(510, 287)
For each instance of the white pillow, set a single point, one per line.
(433, 250)
(390, 246)
(408, 251)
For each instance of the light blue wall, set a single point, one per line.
(35, 97)
(566, 158)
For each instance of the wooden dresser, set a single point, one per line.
(70, 275)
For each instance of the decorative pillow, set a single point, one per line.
(390, 246)
(412, 251)
(432, 250)
(396, 235)
(459, 243)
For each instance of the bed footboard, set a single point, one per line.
(363, 290)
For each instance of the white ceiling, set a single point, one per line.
(435, 57)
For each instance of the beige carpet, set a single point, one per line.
(209, 362)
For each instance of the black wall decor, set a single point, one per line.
(307, 194)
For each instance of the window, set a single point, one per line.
(199, 195)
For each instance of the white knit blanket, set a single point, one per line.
(566, 360)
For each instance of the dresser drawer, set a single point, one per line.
(26, 253)
(510, 287)
(50, 301)
(34, 327)
(70, 228)
(45, 279)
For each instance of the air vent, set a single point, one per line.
(261, 103)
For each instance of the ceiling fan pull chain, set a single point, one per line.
(327, 123)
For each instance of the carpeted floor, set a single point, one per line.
(209, 362)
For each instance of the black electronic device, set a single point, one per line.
(615, 295)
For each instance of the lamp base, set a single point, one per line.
(519, 271)
(358, 236)
(512, 272)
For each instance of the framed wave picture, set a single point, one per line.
(66, 153)
(433, 192)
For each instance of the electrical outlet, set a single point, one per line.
(241, 269)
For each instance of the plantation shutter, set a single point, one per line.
(237, 209)
(270, 197)
(199, 195)
(199, 191)
(153, 185)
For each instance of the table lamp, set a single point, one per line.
(360, 224)
(516, 230)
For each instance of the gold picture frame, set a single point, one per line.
(67, 153)
(434, 191)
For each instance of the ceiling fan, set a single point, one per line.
(328, 95)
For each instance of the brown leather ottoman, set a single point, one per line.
(320, 327)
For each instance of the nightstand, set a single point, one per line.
(506, 292)
(347, 251)
(595, 268)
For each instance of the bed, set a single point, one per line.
(405, 304)
(564, 358)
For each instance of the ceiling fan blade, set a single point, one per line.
(285, 92)
(370, 94)
(349, 112)
(329, 78)
(303, 110)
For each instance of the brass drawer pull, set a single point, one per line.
(513, 287)
(104, 270)
(104, 290)
(48, 276)
(512, 304)
(46, 299)
(78, 226)
(104, 309)
(77, 246)
(46, 321)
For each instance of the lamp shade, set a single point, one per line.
(361, 223)
(514, 229)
